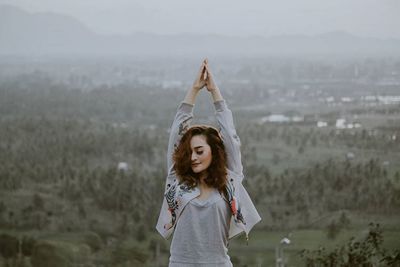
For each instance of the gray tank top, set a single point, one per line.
(201, 234)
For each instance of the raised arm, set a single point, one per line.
(183, 117)
(227, 128)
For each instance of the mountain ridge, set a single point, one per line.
(46, 33)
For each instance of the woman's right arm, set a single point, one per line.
(181, 123)
(183, 118)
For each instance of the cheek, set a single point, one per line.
(208, 157)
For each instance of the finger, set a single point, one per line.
(201, 71)
(202, 67)
(208, 70)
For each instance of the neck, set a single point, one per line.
(202, 178)
(203, 185)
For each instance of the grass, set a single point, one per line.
(259, 252)
(262, 244)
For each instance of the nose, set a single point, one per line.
(194, 156)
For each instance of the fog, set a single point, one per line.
(89, 89)
(371, 18)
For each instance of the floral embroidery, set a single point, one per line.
(174, 200)
(234, 204)
(183, 126)
(172, 205)
(184, 188)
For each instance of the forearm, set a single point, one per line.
(216, 94)
(191, 95)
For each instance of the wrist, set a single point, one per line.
(195, 88)
(213, 89)
(216, 94)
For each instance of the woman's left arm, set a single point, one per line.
(225, 122)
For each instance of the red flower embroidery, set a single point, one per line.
(233, 206)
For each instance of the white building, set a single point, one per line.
(122, 166)
(341, 123)
(347, 99)
(330, 99)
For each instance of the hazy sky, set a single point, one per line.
(375, 18)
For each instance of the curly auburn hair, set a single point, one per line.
(217, 173)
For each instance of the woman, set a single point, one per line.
(205, 203)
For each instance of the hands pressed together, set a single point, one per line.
(205, 78)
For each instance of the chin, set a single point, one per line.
(198, 171)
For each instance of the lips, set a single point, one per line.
(195, 164)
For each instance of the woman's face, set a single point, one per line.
(201, 153)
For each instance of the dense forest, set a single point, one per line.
(61, 146)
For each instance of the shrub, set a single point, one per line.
(366, 253)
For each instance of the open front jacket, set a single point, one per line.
(176, 196)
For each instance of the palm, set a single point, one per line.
(210, 83)
(200, 82)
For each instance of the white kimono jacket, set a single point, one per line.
(176, 196)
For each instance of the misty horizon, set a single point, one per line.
(307, 17)
(40, 34)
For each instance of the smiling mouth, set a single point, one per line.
(195, 164)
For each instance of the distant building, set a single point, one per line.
(347, 99)
(322, 124)
(330, 99)
(341, 123)
(350, 155)
(280, 118)
(384, 100)
(389, 100)
(297, 118)
(276, 118)
(122, 166)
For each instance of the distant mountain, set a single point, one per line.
(36, 34)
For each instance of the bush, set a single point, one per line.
(28, 243)
(8, 246)
(367, 252)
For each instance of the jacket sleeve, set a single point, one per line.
(230, 138)
(181, 123)
(179, 126)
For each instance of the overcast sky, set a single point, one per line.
(373, 18)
